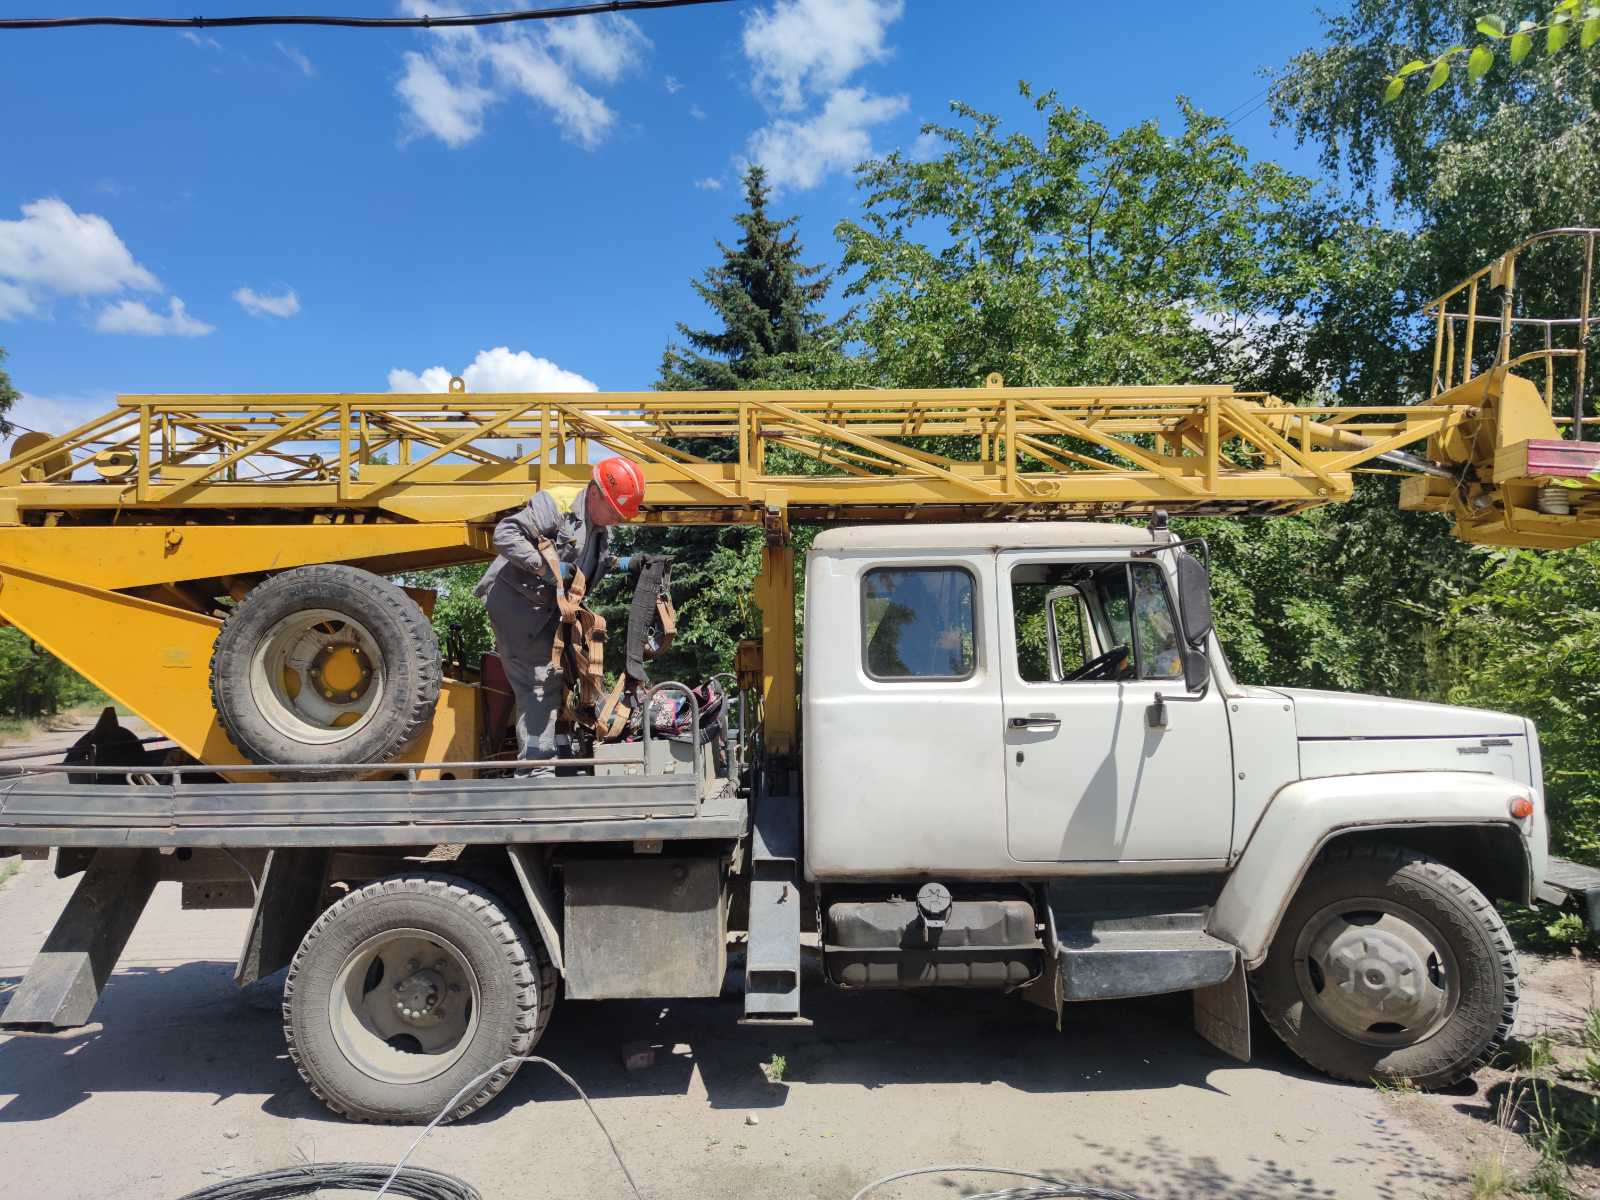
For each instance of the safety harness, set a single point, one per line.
(578, 647)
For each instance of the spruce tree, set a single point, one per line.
(766, 301)
(764, 296)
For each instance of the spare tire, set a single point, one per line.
(325, 665)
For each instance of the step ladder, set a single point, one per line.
(772, 954)
(1109, 956)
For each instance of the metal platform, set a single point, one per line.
(46, 810)
(1578, 883)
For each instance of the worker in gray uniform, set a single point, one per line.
(519, 590)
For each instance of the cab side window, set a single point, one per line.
(918, 623)
(1093, 623)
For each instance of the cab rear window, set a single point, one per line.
(918, 623)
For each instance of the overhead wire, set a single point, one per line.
(451, 21)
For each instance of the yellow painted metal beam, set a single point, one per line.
(128, 556)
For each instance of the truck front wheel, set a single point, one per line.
(1389, 966)
(408, 991)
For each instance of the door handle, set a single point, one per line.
(1036, 721)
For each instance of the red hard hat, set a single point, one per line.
(621, 481)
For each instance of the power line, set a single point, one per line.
(459, 21)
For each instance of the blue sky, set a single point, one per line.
(330, 210)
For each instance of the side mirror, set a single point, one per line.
(1196, 669)
(1194, 600)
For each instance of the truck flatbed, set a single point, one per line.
(48, 810)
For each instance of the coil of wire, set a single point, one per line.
(282, 1183)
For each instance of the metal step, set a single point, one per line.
(772, 957)
(1578, 883)
(1112, 957)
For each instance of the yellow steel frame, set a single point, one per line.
(166, 502)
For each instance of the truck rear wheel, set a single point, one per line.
(405, 992)
(325, 664)
(1389, 966)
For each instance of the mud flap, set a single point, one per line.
(1222, 1015)
(1046, 990)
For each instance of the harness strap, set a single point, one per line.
(578, 647)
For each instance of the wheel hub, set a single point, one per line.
(417, 997)
(404, 1006)
(341, 671)
(1382, 976)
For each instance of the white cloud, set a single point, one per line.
(800, 46)
(672, 85)
(602, 47)
(698, 113)
(297, 57)
(799, 153)
(529, 69)
(448, 87)
(58, 414)
(54, 251)
(136, 317)
(449, 109)
(926, 148)
(709, 184)
(498, 370)
(261, 304)
(204, 41)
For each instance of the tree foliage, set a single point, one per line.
(762, 295)
(769, 331)
(1496, 33)
(8, 393)
(34, 683)
(1078, 255)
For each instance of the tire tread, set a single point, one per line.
(534, 976)
(1421, 869)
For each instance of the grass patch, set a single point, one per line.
(774, 1068)
(1544, 930)
(1395, 1087)
(1548, 1102)
(1490, 1178)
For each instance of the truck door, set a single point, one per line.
(1087, 643)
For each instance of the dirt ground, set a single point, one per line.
(184, 1081)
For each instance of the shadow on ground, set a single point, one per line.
(188, 1030)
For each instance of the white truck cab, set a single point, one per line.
(1046, 707)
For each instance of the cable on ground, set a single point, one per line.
(418, 1183)
(472, 1085)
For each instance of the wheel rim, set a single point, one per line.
(1377, 971)
(404, 1006)
(318, 676)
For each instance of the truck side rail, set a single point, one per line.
(40, 807)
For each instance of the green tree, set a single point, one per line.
(1464, 173)
(1527, 640)
(1075, 255)
(8, 394)
(763, 296)
(769, 331)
